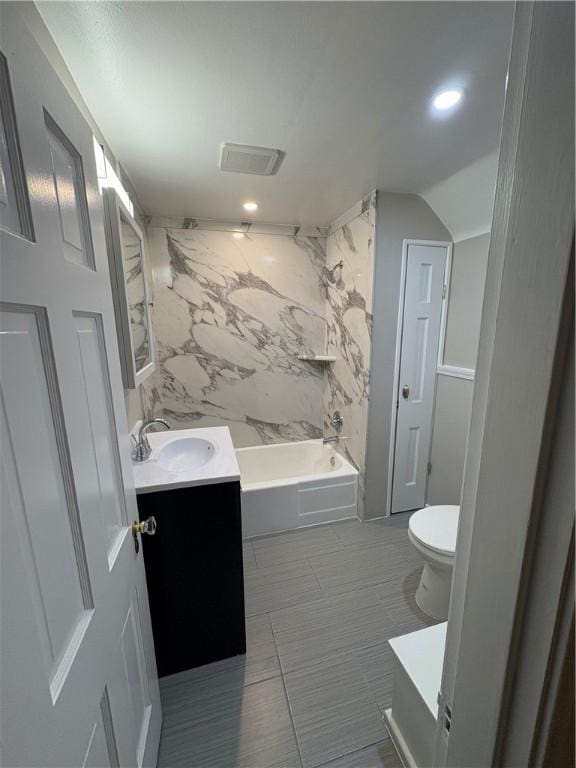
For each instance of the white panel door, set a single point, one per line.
(78, 681)
(425, 268)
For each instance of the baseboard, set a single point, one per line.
(398, 740)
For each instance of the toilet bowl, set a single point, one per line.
(432, 530)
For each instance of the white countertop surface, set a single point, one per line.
(222, 468)
(421, 653)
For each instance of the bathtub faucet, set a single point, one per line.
(333, 439)
(337, 421)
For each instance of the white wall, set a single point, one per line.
(464, 201)
(469, 259)
(398, 217)
(454, 395)
(450, 432)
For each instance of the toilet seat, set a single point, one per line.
(436, 528)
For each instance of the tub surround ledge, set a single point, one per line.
(222, 467)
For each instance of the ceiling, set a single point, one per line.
(342, 88)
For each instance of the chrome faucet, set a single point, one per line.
(337, 421)
(333, 439)
(142, 449)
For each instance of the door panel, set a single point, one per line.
(70, 194)
(14, 204)
(425, 268)
(69, 570)
(412, 454)
(418, 376)
(102, 429)
(129, 691)
(101, 751)
(40, 472)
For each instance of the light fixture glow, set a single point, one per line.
(107, 176)
(250, 206)
(238, 235)
(447, 99)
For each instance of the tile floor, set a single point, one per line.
(321, 604)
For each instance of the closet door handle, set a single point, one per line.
(405, 391)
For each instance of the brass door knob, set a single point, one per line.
(146, 526)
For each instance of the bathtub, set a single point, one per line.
(292, 485)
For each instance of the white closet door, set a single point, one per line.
(425, 268)
(78, 677)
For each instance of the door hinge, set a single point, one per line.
(444, 291)
(446, 719)
(444, 715)
(429, 467)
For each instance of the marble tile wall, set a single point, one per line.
(349, 329)
(252, 227)
(232, 313)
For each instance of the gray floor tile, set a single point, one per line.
(399, 599)
(333, 710)
(295, 545)
(370, 533)
(248, 556)
(321, 604)
(247, 728)
(400, 519)
(259, 663)
(278, 586)
(357, 567)
(381, 755)
(308, 634)
(401, 588)
(377, 665)
(409, 552)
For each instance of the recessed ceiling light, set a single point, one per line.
(447, 99)
(250, 206)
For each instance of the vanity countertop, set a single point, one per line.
(421, 653)
(222, 466)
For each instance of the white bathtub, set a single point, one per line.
(292, 485)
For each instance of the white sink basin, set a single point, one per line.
(183, 458)
(185, 453)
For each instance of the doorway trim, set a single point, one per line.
(398, 347)
(510, 456)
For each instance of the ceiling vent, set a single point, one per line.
(240, 158)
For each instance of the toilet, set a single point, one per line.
(432, 530)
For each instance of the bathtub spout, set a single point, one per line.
(333, 439)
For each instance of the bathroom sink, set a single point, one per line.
(185, 453)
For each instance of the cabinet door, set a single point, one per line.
(195, 575)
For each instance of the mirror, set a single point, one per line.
(126, 257)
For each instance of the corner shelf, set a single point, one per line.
(318, 358)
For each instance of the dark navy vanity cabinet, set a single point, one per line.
(194, 572)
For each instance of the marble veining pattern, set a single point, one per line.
(231, 316)
(349, 331)
(252, 227)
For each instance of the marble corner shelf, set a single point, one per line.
(318, 358)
